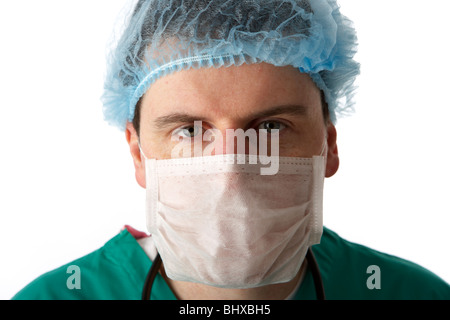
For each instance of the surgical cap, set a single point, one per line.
(164, 36)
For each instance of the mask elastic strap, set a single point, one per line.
(142, 152)
(324, 151)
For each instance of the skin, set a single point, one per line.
(233, 98)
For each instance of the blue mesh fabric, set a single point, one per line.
(164, 36)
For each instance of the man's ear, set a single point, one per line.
(332, 155)
(139, 162)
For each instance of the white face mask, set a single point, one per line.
(220, 223)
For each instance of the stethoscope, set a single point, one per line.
(312, 263)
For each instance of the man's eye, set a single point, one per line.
(271, 125)
(188, 132)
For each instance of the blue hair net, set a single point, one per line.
(164, 36)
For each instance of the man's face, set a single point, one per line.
(256, 96)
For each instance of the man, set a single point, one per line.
(188, 79)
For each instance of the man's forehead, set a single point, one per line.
(258, 73)
(249, 89)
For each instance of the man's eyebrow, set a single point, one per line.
(175, 118)
(295, 110)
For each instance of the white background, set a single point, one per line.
(67, 180)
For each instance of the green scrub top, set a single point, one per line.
(349, 271)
